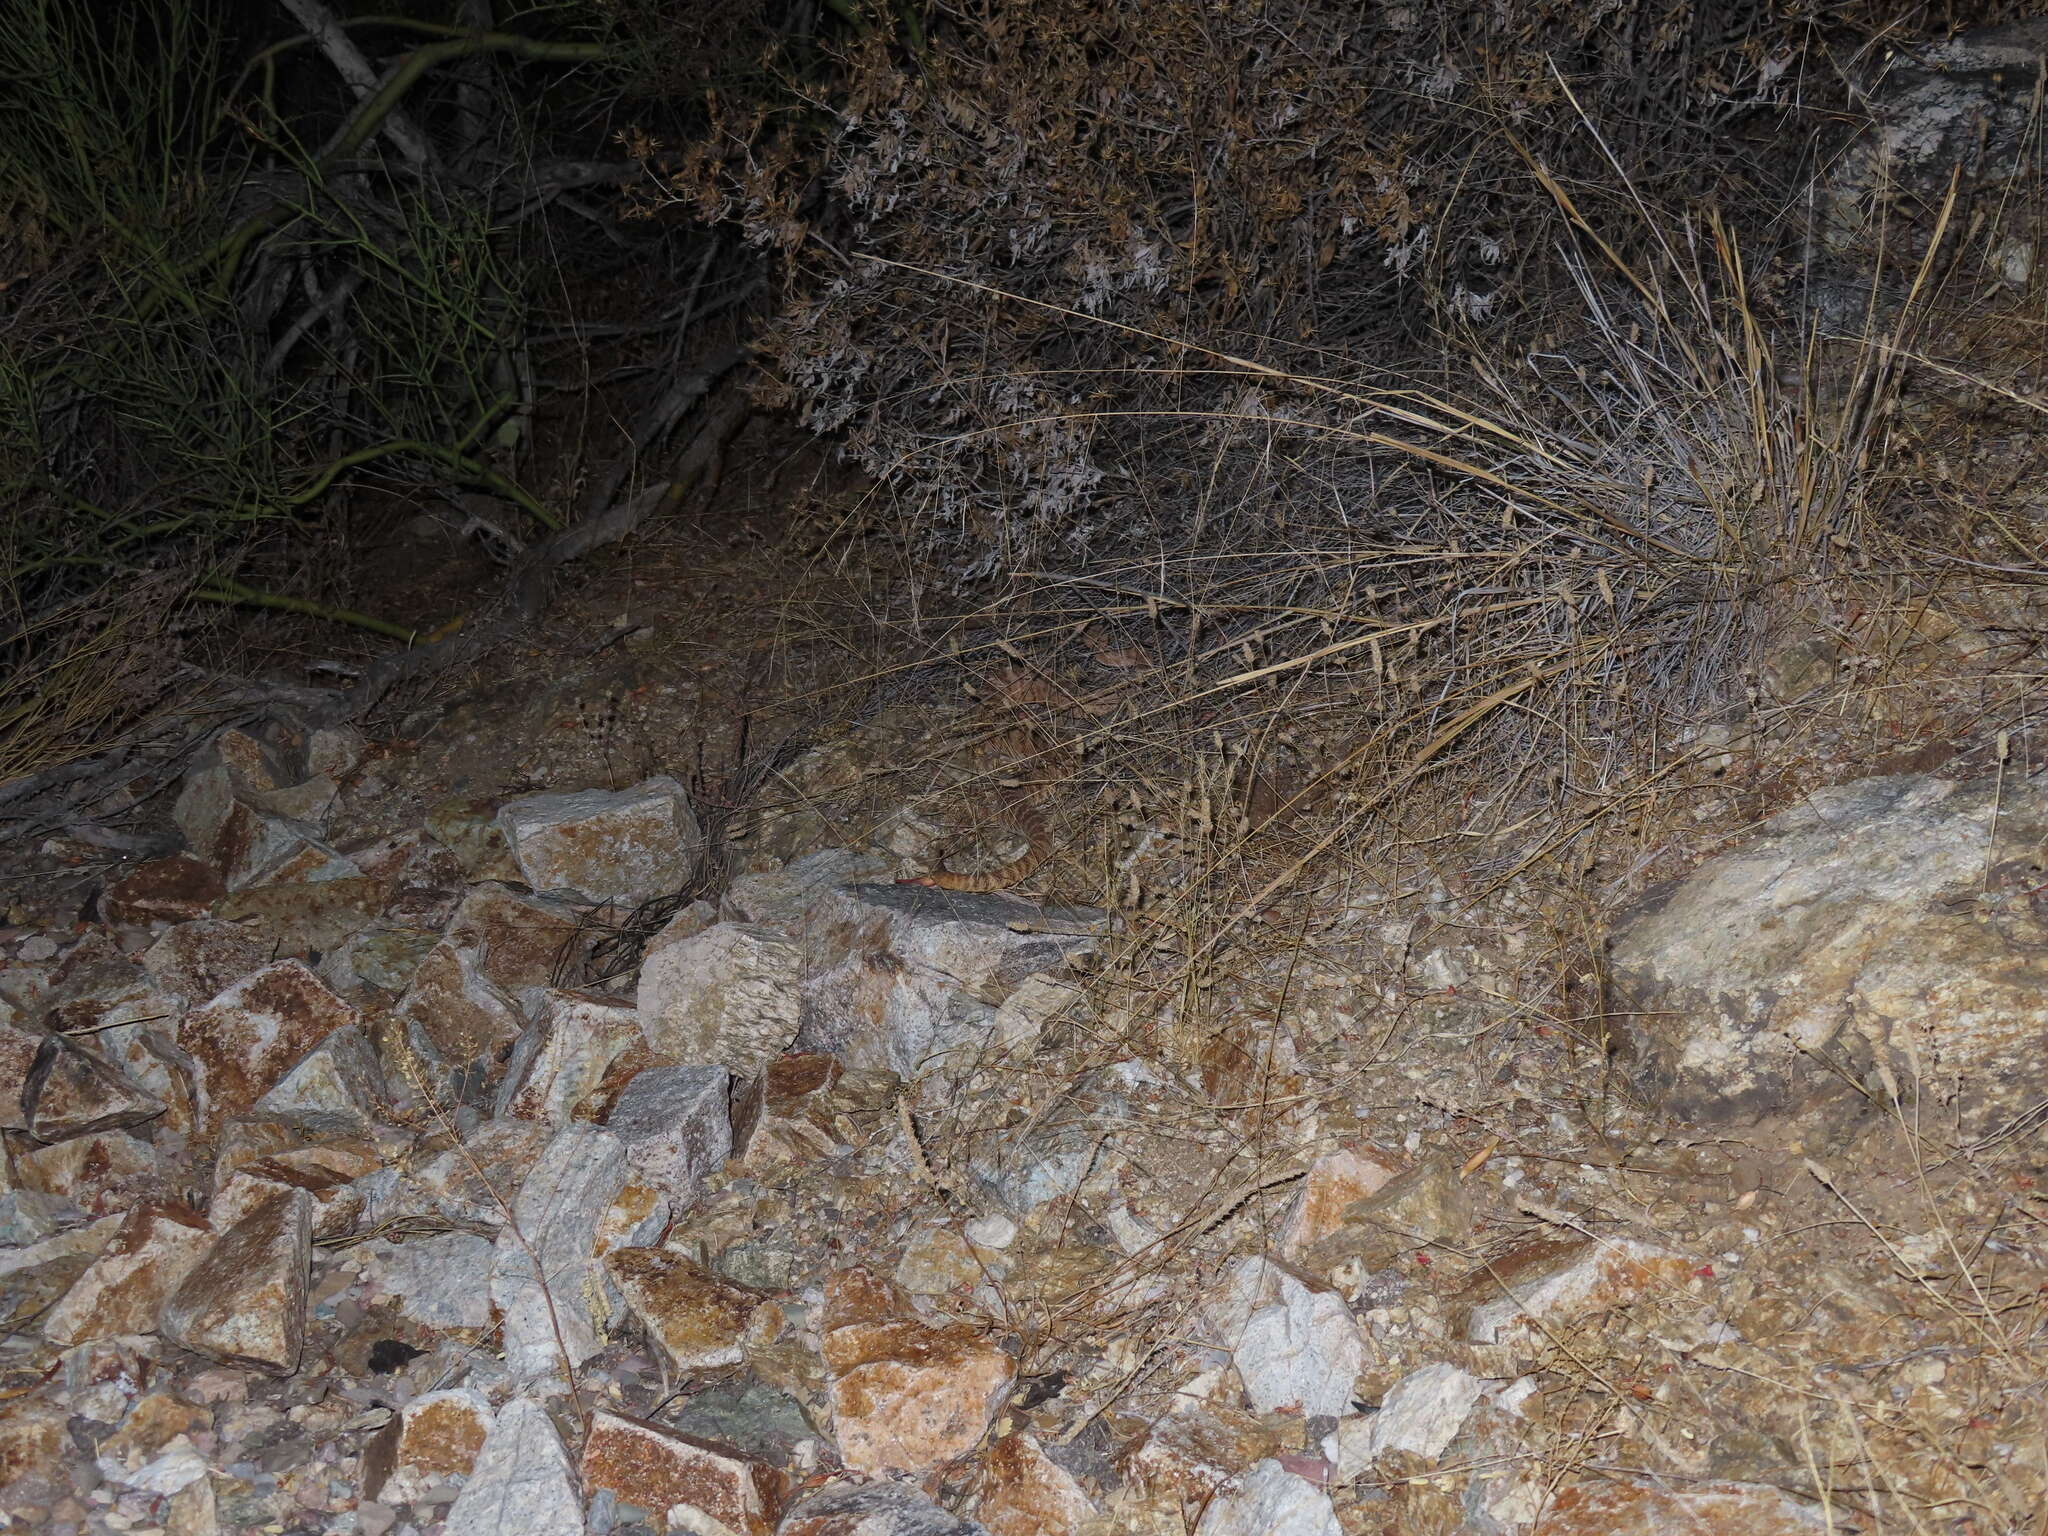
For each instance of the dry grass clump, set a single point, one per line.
(1295, 351)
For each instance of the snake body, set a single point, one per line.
(1017, 808)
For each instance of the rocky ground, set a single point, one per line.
(402, 1153)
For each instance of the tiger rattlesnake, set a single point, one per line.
(1017, 808)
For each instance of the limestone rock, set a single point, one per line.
(342, 1075)
(1023, 1492)
(873, 1509)
(523, 1483)
(1874, 927)
(1549, 1282)
(557, 1305)
(73, 1091)
(195, 962)
(898, 974)
(248, 1038)
(178, 889)
(727, 995)
(1271, 1501)
(1624, 1507)
(1421, 1415)
(675, 1126)
(458, 1014)
(438, 1434)
(124, 1289)
(245, 1302)
(905, 1395)
(659, 1470)
(100, 1172)
(561, 1058)
(627, 845)
(1295, 1346)
(696, 1318)
(440, 1281)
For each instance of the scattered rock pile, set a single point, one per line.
(331, 1208)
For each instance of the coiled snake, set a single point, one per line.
(1018, 808)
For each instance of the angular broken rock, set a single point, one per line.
(1548, 1283)
(779, 898)
(37, 1274)
(101, 1172)
(477, 1181)
(457, 1014)
(124, 1289)
(1876, 931)
(627, 845)
(905, 1395)
(442, 1281)
(1417, 1208)
(235, 836)
(675, 1126)
(439, 1434)
(1618, 1507)
(561, 1058)
(342, 1075)
(873, 1509)
(33, 1443)
(897, 974)
(1270, 1501)
(245, 1302)
(178, 889)
(1198, 1448)
(1295, 1345)
(21, 1044)
(728, 994)
(1421, 1415)
(248, 1038)
(546, 1280)
(518, 939)
(696, 1318)
(300, 917)
(197, 961)
(686, 1479)
(1024, 1492)
(337, 1201)
(1332, 1185)
(73, 1091)
(96, 987)
(523, 1483)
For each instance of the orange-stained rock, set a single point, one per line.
(33, 1443)
(246, 1040)
(1197, 1449)
(458, 1013)
(1331, 1184)
(905, 1395)
(174, 890)
(694, 1316)
(245, 1302)
(124, 1289)
(658, 1470)
(437, 1435)
(1549, 1282)
(75, 1091)
(443, 1431)
(1623, 1508)
(1024, 1493)
(154, 1422)
(105, 1172)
